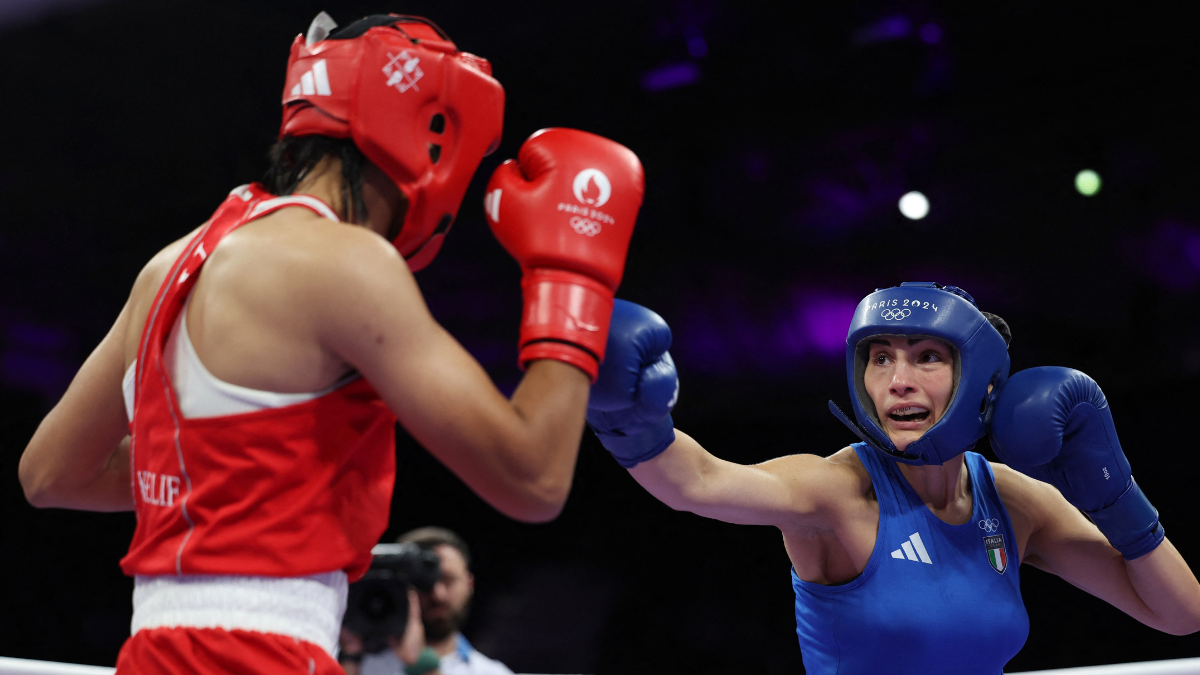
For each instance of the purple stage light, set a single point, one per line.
(43, 374)
(931, 33)
(1172, 255)
(671, 76)
(723, 336)
(832, 206)
(884, 30)
(827, 319)
(37, 359)
(696, 45)
(815, 321)
(1191, 250)
(701, 343)
(40, 338)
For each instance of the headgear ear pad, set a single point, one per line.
(947, 313)
(421, 110)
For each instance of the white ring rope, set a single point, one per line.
(1171, 667)
(26, 667)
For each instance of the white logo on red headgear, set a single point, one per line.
(403, 71)
(581, 184)
(314, 82)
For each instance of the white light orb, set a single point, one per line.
(1087, 182)
(914, 205)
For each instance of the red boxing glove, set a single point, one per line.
(565, 209)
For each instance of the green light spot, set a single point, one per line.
(1087, 182)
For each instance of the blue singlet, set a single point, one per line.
(934, 598)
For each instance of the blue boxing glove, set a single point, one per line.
(631, 400)
(1054, 424)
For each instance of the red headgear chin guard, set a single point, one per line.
(424, 112)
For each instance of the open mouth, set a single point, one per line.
(910, 414)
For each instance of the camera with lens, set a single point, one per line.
(377, 607)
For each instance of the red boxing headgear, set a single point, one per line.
(424, 112)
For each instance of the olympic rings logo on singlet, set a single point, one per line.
(989, 524)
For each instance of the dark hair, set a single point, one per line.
(1000, 325)
(293, 157)
(431, 536)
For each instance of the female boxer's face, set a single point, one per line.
(910, 381)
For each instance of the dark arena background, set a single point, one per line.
(778, 140)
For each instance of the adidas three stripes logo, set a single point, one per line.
(315, 81)
(913, 549)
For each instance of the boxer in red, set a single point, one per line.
(243, 403)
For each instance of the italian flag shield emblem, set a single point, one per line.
(996, 553)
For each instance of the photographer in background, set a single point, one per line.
(383, 611)
(443, 610)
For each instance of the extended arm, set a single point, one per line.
(786, 492)
(77, 458)
(630, 409)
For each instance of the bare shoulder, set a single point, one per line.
(316, 254)
(847, 459)
(153, 272)
(835, 477)
(294, 263)
(1018, 491)
(1030, 503)
(834, 514)
(340, 283)
(146, 286)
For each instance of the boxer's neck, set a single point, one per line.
(324, 181)
(945, 488)
(382, 199)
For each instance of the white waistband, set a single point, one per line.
(306, 608)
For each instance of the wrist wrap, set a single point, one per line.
(1130, 523)
(629, 451)
(566, 318)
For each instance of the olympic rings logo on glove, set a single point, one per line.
(589, 227)
(989, 524)
(895, 314)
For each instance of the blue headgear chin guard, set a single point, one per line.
(945, 312)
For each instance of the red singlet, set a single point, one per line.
(284, 492)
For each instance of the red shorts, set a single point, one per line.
(213, 651)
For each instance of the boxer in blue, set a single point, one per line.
(906, 547)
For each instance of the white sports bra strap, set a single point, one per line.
(321, 208)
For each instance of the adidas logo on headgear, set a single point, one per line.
(913, 549)
(315, 81)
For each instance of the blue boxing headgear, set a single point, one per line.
(981, 359)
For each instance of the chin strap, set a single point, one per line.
(866, 437)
